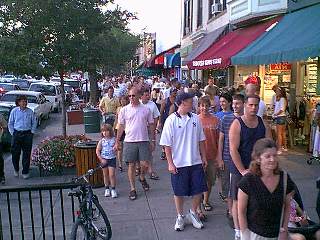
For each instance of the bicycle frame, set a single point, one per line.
(85, 197)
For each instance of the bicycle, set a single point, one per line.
(92, 221)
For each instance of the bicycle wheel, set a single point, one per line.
(100, 221)
(79, 231)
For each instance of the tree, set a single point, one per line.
(43, 37)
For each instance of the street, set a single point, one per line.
(152, 215)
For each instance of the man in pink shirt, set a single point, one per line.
(137, 122)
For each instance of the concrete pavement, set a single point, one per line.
(152, 215)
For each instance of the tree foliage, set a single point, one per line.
(42, 37)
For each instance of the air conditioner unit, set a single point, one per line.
(216, 8)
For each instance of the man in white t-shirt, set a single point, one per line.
(183, 140)
(254, 89)
(145, 100)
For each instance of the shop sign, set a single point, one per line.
(280, 67)
(207, 62)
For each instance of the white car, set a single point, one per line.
(7, 78)
(52, 92)
(37, 102)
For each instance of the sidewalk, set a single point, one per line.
(152, 215)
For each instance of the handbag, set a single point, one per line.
(285, 181)
(288, 118)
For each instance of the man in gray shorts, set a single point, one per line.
(137, 122)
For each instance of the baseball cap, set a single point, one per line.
(183, 96)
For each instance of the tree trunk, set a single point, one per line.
(94, 96)
(63, 107)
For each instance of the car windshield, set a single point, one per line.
(5, 111)
(8, 76)
(13, 97)
(68, 88)
(48, 90)
(74, 84)
(7, 87)
(21, 83)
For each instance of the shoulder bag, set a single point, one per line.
(285, 181)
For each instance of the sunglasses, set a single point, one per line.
(131, 95)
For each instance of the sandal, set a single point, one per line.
(144, 184)
(207, 207)
(133, 195)
(163, 156)
(137, 171)
(154, 176)
(223, 198)
(120, 168)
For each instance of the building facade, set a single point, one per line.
(201, 18)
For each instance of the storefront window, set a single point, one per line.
(310, 82)
(279, 73)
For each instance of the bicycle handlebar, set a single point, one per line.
(89, 173)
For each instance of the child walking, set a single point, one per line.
(107, 156)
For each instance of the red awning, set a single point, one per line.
(219, 54)
(158, 60)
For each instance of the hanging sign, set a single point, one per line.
(280, 67)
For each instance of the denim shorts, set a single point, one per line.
(111, 162)
(189, 181)
(280, 120)
(234, 182)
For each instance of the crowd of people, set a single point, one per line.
(204, 136)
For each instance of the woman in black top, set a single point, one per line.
(260, 196)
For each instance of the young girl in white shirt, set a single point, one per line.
(106, 154)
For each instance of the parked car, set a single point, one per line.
(22, 83)
(7, 78)
(76, 84)
(6, 87)
(36, 101)
(6, 136)
(52, 92)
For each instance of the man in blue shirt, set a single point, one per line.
(22, 125)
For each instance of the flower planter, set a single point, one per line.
(55, 155)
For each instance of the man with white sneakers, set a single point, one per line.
(183, 140)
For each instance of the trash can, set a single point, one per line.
(91, 119)
(86, 159)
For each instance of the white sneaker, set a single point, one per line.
(16, 173)
(107, 193)
(179, 226)
(114, 193)
(193, 218)
(26, 176)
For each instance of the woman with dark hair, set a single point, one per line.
(262, 209)
(279, 117)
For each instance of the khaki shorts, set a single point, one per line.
(136, 151)
(211, 172)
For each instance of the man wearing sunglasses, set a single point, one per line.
(138, 123)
